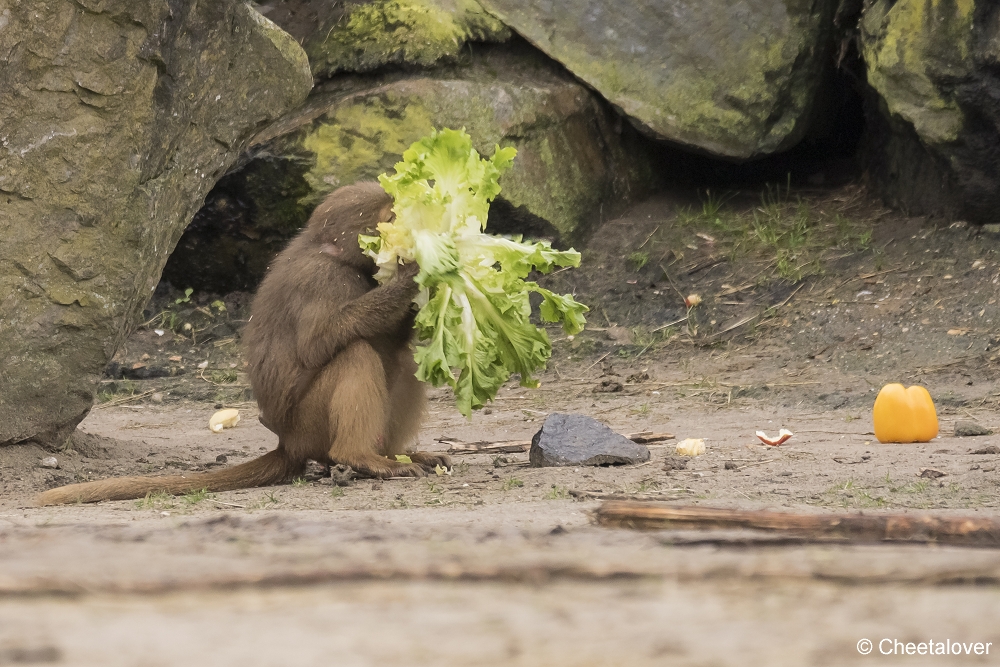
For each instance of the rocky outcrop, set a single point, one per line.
(935, 117)
(116, 118)
(574, 160)
(363, 35)
(733, 78)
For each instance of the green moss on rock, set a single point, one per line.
(727, 77)
(569, 157)
(362, 139)
(414, 32)
(909, 45)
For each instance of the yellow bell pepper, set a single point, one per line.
(904, 414)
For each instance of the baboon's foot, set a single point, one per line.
(383, 468)
(430, 460)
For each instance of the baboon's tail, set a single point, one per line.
(271, 468)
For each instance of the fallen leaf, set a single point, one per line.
(175, 358)
(403, 458)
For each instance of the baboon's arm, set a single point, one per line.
(323, 332)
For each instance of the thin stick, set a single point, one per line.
(595, 495)
(963, 530)
(669, 324)
(737, 325)
(219, 502)
(649, 237)
(789, 297)
(516, 446)
(866, 276)
(126, 399)
(595, 363)
(756, 463)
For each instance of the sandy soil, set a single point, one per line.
(500, 563)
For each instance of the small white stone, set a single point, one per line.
(49, 462)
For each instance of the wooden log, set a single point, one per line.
(859, 527)
(515, 446)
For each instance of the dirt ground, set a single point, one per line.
(801, 320)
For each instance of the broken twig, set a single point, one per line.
(125, 399)
(515, 446)
(600, 495)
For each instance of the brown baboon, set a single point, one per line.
(329, 361)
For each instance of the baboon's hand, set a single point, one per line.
(404, 283)
(407, 272)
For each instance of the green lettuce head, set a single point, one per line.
(474, 325)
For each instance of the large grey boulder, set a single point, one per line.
(363, 35)
(116, 118)
(734, 78)
(574, 164)
(579, 440)
(935, 71)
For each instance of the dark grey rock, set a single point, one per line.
(989, 449)
(967, 429)
(578, 440)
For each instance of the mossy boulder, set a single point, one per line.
(116, 119)
(364, 35)
(732, 78)
(935, 139)
(574, 159)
